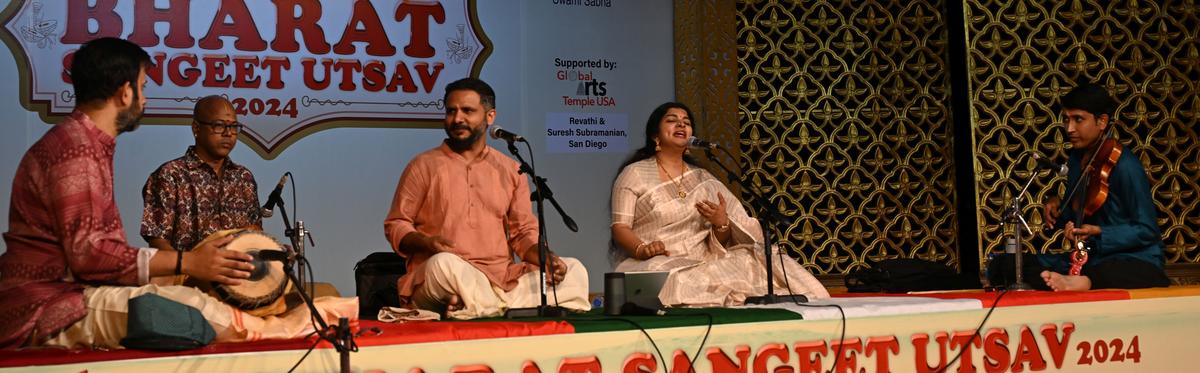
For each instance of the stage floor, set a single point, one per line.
(1095, 331)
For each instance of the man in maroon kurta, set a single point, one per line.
(65, 233)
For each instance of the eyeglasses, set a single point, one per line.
(222, 128)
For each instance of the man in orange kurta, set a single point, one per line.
(461, 212)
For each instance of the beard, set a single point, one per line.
(128, 120)
(465, 143)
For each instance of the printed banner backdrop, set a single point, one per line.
(1146, 335)
(289, 68)
(366, 79)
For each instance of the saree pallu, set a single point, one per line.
(704, 272)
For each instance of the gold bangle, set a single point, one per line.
(637, 252)
(722, 228)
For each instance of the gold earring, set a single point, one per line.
(687, 151)
(657, 148)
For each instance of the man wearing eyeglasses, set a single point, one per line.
(202, 192)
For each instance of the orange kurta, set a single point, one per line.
(482, 206)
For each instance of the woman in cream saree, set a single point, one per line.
(670, 215)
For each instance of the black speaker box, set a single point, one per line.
(375, 283)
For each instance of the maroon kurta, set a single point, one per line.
(64, 227)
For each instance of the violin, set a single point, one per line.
(1100, 167)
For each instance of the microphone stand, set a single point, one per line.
(544, 191)
(296, 236)
(766, 214)
(545, 265)
(1013, 216)
(338, 335)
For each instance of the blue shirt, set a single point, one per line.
(1127, 219)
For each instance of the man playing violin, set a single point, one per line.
(1110, 219)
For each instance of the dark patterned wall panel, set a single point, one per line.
(846, 127)
(706, 71)
(1024, 54)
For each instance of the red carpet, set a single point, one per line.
(388, 334)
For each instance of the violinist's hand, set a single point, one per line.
(1051, 210)
(1082, 233)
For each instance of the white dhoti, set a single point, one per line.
(108, 312)
(448, 274)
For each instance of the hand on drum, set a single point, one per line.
(211, 262)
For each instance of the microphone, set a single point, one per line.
(1060, 169)
(698, 143)
(502, 134)
(268, 209)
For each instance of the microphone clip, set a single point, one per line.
(694, 142)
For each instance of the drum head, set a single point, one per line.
(267, 282)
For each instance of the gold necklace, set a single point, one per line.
(678, 185)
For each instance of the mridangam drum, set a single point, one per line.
(261, 294)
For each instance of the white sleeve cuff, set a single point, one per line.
(143, 264)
